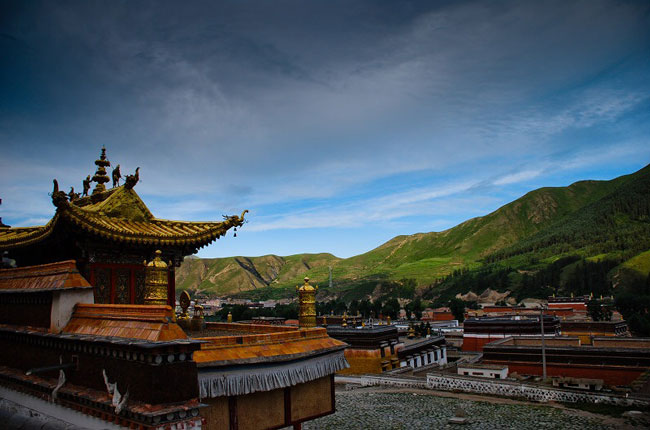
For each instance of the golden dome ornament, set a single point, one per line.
(156, 281)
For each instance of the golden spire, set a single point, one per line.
(307, 305)
(156, 280)
(100, 175)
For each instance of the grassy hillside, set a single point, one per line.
(597, 219)
(617, 223)
(237, 274)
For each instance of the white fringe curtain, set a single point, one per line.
(237, 380)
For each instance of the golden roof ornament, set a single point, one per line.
(307, 305)
(131, 180)
(198, 322)
(117, 175)
(156, 281)
(184, 318)
(100, 175)
(86, 185)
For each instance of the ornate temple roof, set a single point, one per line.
(45, 277)
(118, 214)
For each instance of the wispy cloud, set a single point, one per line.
(518, 177)
(322, 115)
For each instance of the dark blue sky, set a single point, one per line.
(338, 124)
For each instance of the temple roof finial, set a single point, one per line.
(100, 175)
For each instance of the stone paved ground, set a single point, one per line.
(369, 409)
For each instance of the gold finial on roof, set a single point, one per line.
(307, 305)
(229, 319)
(100, 175)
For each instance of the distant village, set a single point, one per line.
(489, 342)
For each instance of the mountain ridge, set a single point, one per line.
(424, 257)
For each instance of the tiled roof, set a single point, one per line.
(265, 347)
(44, 277)
(152, 323)
(121, 216)
(23, 236)
(152, 232)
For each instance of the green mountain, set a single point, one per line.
(592, 219)
(239, 274)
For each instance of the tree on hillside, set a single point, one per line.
(599, 311)
(414, 307)
(377, 305)
(633, 302)
(354, 307)
(457, 307)
(406, 289)
(365, 307)
(391, 308)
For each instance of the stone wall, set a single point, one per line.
(499, 388)
(527, 391)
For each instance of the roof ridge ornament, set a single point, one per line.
(131, 180)
(59, 198)
(100, 175)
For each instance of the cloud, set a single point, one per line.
(341, 113)
(518, 177)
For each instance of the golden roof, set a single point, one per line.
(120, 215)
(153, 323)
(263, 344)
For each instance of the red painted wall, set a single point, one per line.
(611, 376)
(575, 306)
(476, 343)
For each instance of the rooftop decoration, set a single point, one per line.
(307, 303)
(100, 175)
(118, 214)
(156, 280)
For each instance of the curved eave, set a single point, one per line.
(155, 232)
(23, 236)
